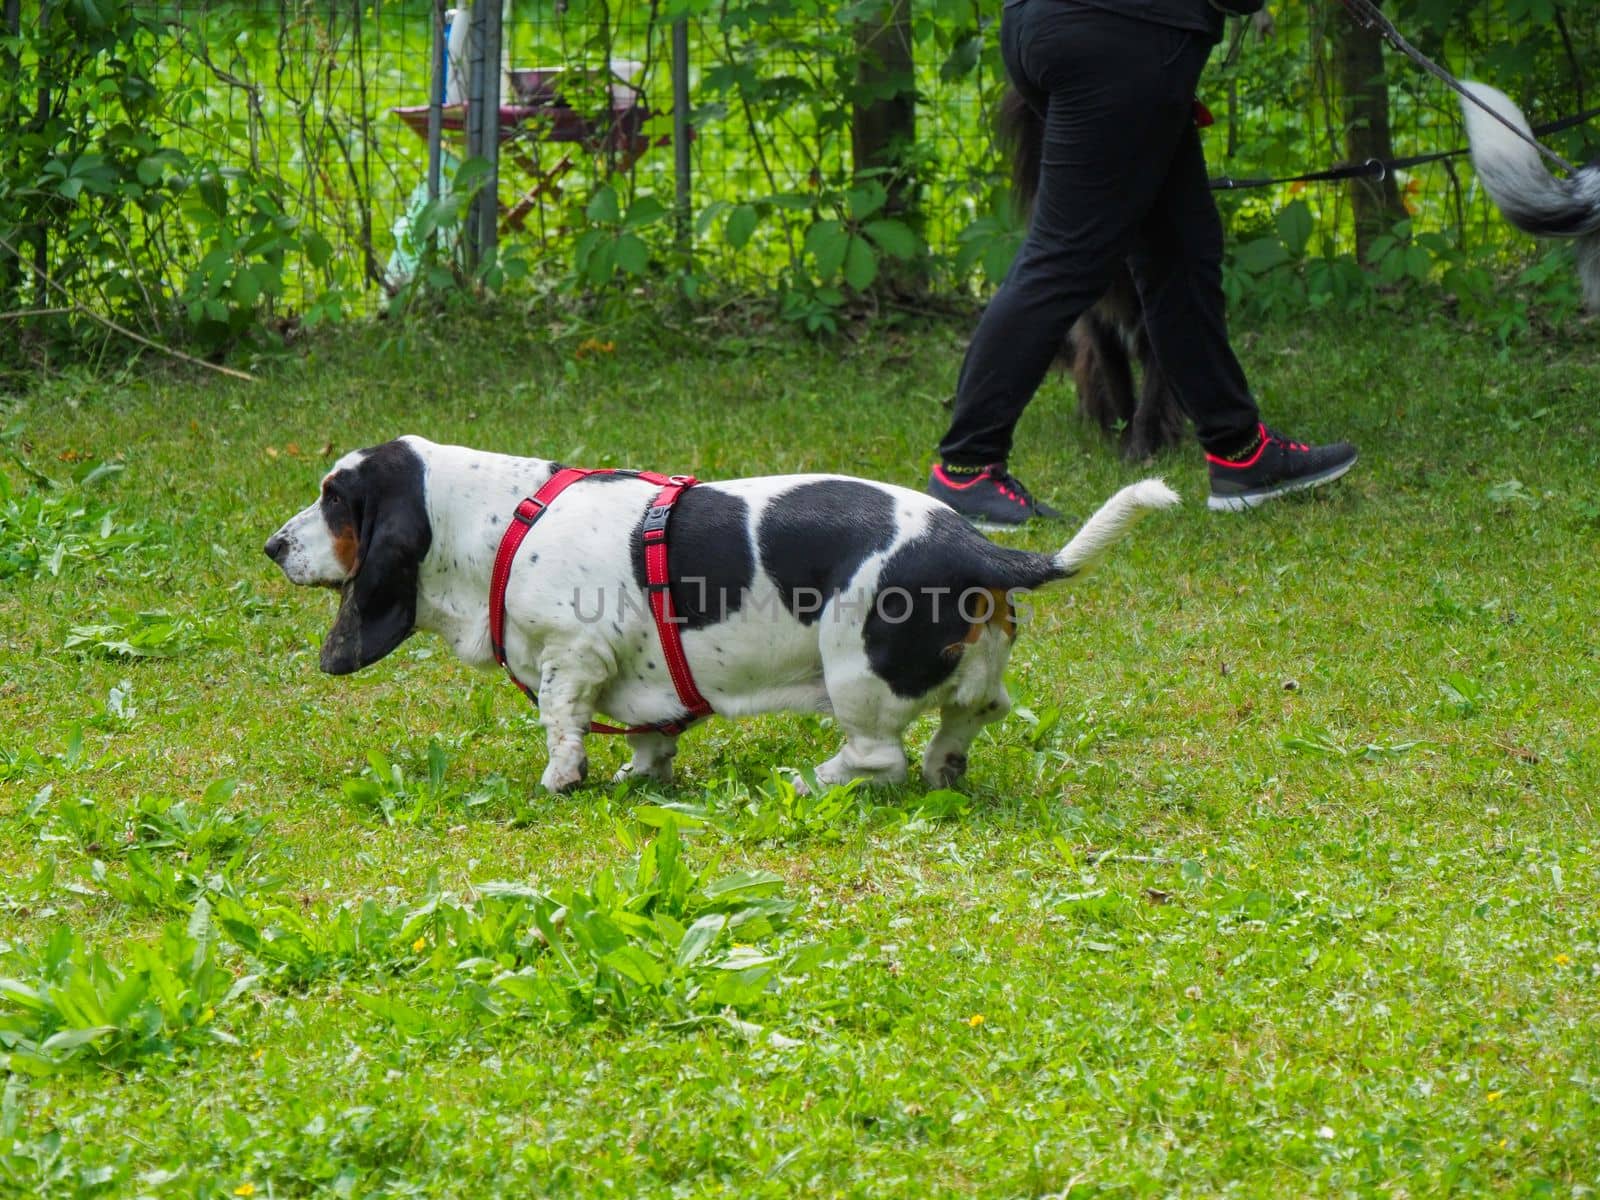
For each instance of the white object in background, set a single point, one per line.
(455, 73)
(624, 92)
(506, 26)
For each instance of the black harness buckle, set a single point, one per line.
(655, 522)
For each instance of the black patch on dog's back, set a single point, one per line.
(708, 555)
(931, 592)
(814, 537)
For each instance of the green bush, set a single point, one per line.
(66, 1003)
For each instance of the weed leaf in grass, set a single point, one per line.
(151, 634)
(1512, 491)
(399, 796)
(45, 529)
(698, 938)
(407, 1019)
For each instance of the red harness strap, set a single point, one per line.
(657, 576)
(659, 580)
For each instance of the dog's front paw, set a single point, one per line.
(563, 776)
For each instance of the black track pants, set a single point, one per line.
(1122, 178)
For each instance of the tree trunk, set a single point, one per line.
(883, 120)
(1364, 93)
(11, 114)
(883, 125)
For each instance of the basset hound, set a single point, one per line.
(818, 593)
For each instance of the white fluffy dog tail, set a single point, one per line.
(1523, 189)
(1111, 523)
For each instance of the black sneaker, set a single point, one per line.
(1277, 467)
(992, 496)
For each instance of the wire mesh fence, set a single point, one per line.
(329, 97)
(328, 100)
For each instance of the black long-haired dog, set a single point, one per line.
(1526, 193)
(1103, 344)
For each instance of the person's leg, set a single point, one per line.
(1177, 263)
(1105, 154)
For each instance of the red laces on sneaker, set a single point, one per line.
(1274, 436)
(1008, 486)
(996, 475)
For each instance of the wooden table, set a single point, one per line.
(551, 119)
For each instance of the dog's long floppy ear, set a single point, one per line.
(378, 604)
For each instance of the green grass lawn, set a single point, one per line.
(1280, 881)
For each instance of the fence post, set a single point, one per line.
(680, 130)
(436, 100)
(483, 127)
(41, 243)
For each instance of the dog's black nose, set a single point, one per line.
(276, 545)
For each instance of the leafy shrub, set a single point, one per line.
(407, 797)
(47, 527)
(129, 223)
(611, 246)
(1276, 274)
(148, 634)
(654, 936)
(651, 940)
(66, 1003)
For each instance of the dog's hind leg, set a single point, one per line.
(652, 757)
(945, 760)
(568, 690)
(873, 719)
(865, 756)
(978, 698)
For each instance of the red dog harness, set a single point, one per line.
(657, 575)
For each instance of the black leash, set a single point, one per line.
(1372, 17)
(1375, 168)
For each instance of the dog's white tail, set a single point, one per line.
(1523, 189)
(1111, 523)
